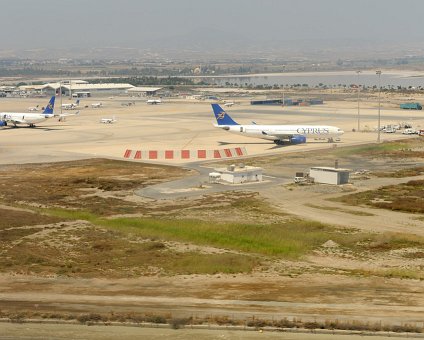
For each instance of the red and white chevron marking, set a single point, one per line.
(197, 154)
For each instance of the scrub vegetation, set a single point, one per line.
(407, 197)
(395, 149)
(68, 220)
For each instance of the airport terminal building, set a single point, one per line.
(83, 89)
(77, 86)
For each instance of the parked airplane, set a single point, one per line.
(154, 101)
(96, 105)
(71, 106)
(229, 104)
(108, 120)
(28, 118)
(33, 108)
(279, 134)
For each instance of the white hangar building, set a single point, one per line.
(81, 86)
(94, 89)
(143, 91)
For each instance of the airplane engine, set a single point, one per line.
(298, 140)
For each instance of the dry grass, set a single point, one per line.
(15, 224)
(412, 148)
(91, 243)
(133, 318)
(416, 171)
(61, 184)
(347, 211)
(88, 251)
(407, 197)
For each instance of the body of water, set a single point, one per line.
(313, 79)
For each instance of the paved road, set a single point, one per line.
(198, 185)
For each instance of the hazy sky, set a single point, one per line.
(136, 23)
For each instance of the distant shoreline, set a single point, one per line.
(400, 73)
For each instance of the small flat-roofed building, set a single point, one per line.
(329, 175)
(143, 91)
(81, 94)
(240, 174)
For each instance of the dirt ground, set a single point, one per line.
(57, 265)
(66, 266)
(36, 331)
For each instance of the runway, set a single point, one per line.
(174, 125)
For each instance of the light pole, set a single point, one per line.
(60, 94)
(359, 119)
(284, 99)
(378, 72)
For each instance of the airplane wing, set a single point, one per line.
(67, 114)
(63, 115)
(278, 135)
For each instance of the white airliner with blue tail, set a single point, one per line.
(279, 134)
(28, 118)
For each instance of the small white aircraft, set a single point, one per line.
(71, 106)
(33, 108)
(108, 120)
(96, 105)
(279, 134)
(229, 104)
(28, 118)
(154, 101)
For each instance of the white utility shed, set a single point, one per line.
(329, 175)
(240, 174)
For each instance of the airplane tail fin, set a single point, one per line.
(222, 117)
(77, 102)
(50, 106)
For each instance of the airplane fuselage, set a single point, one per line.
(28, 118)
(275, 132)
(279, 134)
(24, 117)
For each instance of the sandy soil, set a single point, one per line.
(303, 290)
(308, 297)
(381, 220)
(37, 331)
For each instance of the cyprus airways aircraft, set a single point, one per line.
(279, 134)
(28, 118)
